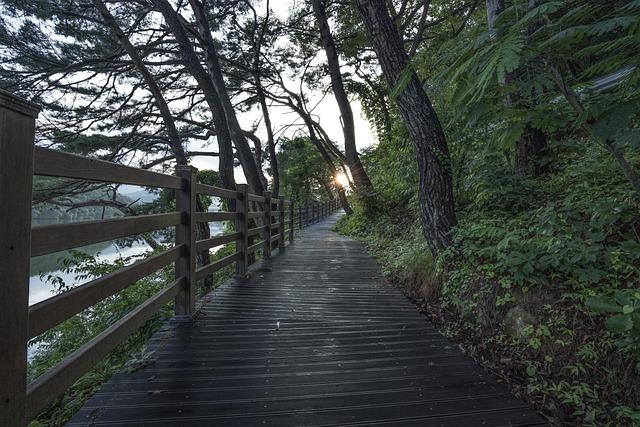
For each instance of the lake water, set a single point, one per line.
(51, 265)
(40, 288)
(44, 267)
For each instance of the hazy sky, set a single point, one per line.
(326, 113)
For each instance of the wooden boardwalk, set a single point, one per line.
(318, 341)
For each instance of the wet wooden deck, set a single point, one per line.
(318, 341)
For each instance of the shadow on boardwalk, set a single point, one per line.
(320, 340)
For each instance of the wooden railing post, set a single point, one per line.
(17, 129)
(266, 253)
(242, 226)
(300, 217)
(292, 220)
(282, 224)
(185, 306)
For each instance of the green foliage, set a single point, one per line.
(54, 345)
(559, 247)
(304, 176)
(51, 347)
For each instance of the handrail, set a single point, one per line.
(52, 311)
(54, 238)
(54, 382)
(48, 162)
(255, 231)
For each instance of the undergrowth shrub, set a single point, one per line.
(542, 277)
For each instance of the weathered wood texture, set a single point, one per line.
(319, 340)
(19, 161)
(53, 238)
(52, 311)
(48, 162)
(185, 266)
(17, 127)
(55, 381)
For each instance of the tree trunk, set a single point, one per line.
(529, 148)
(152, 85)
(532, 144)
(271, 144)
(258, 150)
(192, 63)
(327, 187)
(608, 144)
(215, 71)
(325, 155)
(203, 231)
(364, 187)
(432, 154)
(494, 8)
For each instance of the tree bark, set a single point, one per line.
(364, 187)
(332, 168)
(532, 143)
(313, 136)
(192, 63)
(271, 144)
(215, 71)
(327, 187)
(432, 154)
(203, 231)
(258, 150)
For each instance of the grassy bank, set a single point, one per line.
(540, 284)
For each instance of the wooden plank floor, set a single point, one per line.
(349, 350)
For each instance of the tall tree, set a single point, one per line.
(159, 99)
(363, 183)
(532, 143)
(432, 154)
(251, 169)
(175, 142)
(215, 100)
(258, 34)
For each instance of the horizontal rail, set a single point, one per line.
(257, 230)
(210, 190)
(216, 216)
(53, 311)
(48, 162)
(217, 241)
(251, 249)
(53, 383)
(28, 322)
(54, 238)
(256, 198)
(203, 272)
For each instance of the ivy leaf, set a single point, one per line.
(603, 305)
(619, 323)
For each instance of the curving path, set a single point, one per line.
(318, 341)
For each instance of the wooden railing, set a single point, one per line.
(273, 220)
